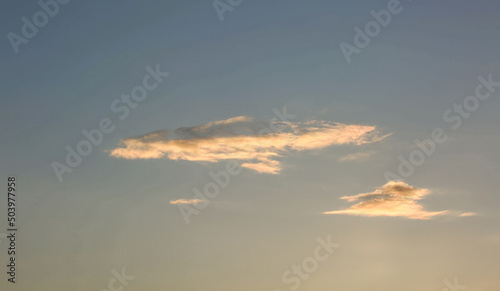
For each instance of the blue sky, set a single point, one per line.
(112, 213)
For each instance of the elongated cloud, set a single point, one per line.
(357, 157)
(256, 144)
(186, 201)
(467, 214)
(393, 199)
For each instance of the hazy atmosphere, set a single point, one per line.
(250, 145)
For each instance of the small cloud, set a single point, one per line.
(467, 214)
(357, 157)
(394, 199)
(186, 201)
(256, 144)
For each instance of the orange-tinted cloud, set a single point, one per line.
(256, 144)
(357, 157)
(395, 198)
(186, 201)
(467, 214)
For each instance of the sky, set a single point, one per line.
(251, 145)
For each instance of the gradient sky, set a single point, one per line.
(113, 212)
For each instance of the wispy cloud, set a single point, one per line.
(357, 157)
(257, 144)
(467, 214)
(395, 198)
(186, 201)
